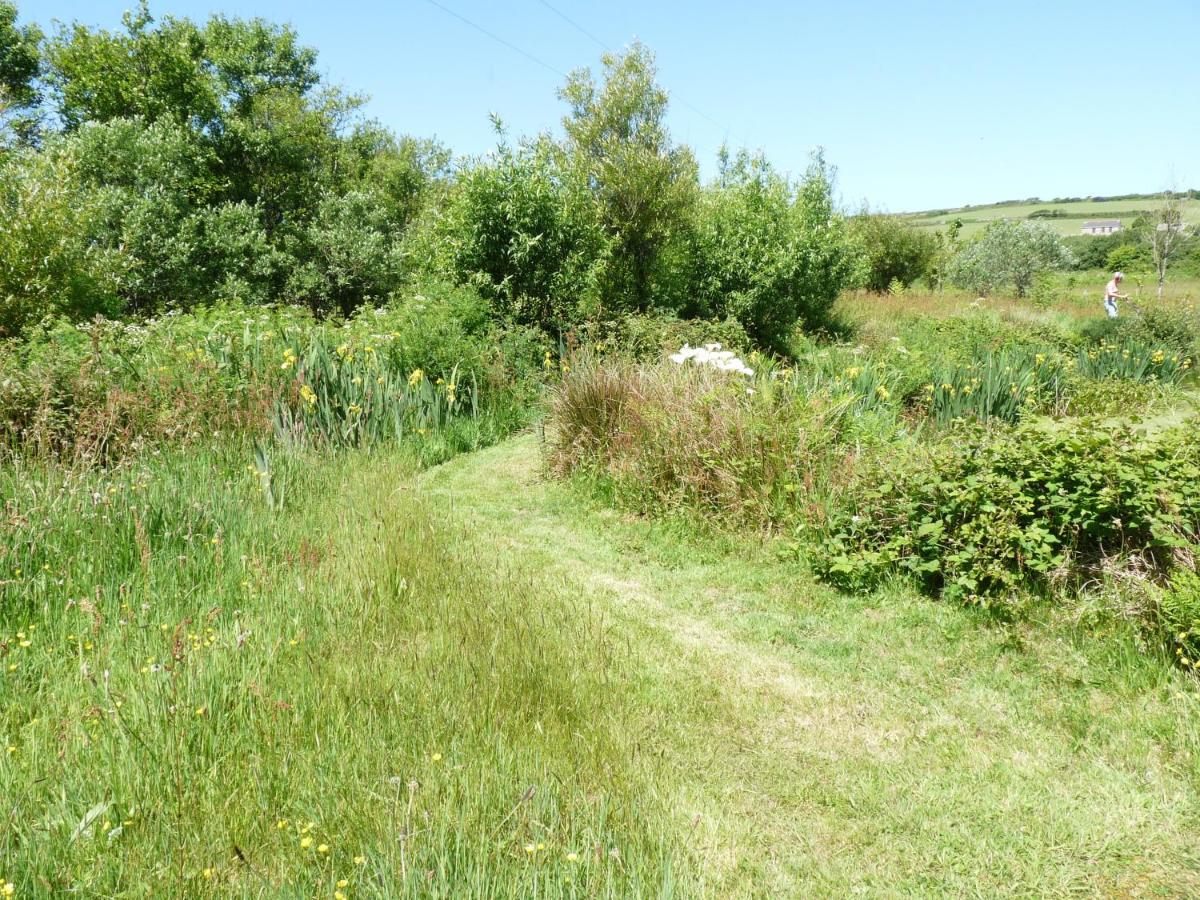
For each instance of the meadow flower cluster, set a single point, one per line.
(99, 390)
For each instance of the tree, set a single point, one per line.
(20, 65)
(1008, 254)
(147, 71)
(1165, 235)
(49, 263)
(617, 139)
(771, 252)
(350, 254)
(894, 249)
(407, 172)
(523, 228)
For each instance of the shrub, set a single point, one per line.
(49, 264)
(981, 515)
(525, 232)
(771, 253)
(1128, 257)
(1008, 254)
(896, 253)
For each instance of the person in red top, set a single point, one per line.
(1112, 293)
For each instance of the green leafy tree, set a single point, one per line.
(525, 230)
(351, 255)
(646, 186)
(407, 173)
(49, 265)
(894, 250)
(283, 155)
(20, 66)
(150, 71)
(248, 58)
(771, 252)
(1009, 254)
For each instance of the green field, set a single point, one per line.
(976, 218)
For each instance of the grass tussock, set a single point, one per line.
(738, 451)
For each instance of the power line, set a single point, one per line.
(498, 39)
(697, 110)
(562, 15)
(545, 65)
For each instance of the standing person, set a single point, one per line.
(1112, 293)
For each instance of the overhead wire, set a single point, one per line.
(545, 65)
(683, 101)
(498, 39)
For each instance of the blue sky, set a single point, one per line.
(918, 104)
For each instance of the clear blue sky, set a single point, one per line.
(918, 104)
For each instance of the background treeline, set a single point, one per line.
(172, 164)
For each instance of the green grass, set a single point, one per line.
(975, 218)
(438, 671)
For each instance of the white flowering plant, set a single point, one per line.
(712, 355)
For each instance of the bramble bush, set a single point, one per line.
(982, 516)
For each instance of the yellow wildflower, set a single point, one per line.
(323, 848)
(342, 882)
(415, 378)
(308, 394)
(305, 842)
(360, 860)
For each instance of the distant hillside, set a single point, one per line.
(1065, 215)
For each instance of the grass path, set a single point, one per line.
(475, 682)
(811, 743)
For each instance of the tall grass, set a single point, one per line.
(204, 692)
(98, 391)
(670, 438)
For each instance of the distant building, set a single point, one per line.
(1102, 226)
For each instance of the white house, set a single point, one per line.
(1102, 226)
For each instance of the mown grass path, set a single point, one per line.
(800, 742)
